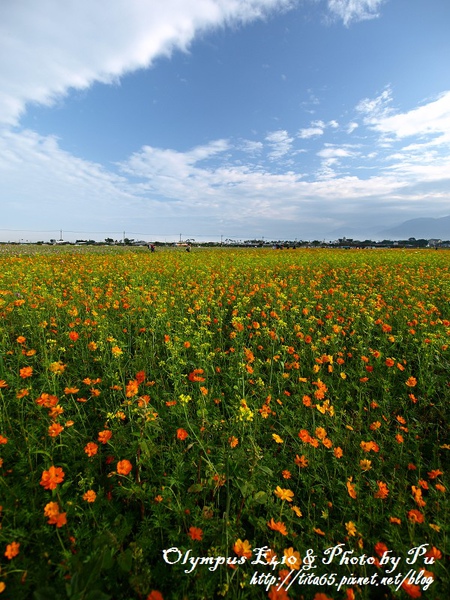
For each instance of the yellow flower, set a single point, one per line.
(57, 367)
(365, 465)
(292, 558)
(351, 528)
(277, 438)
(284, 494)
(116, 351)
(297, 511)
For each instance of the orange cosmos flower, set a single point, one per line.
(132, 388)
(434, 552)
(90, 496)
(233, 441)
(287, 495)
(277, 526)
(435, 473)
(182, 434)
(318, 531)
(395, 520)
(338, 452)
(380, 548)
(411, 382)
(243, 548)
(195, 375)
(12, 550)
(104, 436)
(71, 390)
(286, 474)
(351, 488)
(415, 516)
(26, 372)
(382, 492)
(91, 449)
(51, 478)
(124, 467)
(155, 595)
(3, 440)
(292, 558)
(389, 362)
(301, 461)
(55, 429)
(412, 590)
(73, 335)
(278, 594)
(3, 384)
(195, 533)
(21, 339)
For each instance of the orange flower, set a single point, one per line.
(277, 526)
(187, 344)
(104, 436)
(301, 461)
(124, 467)
(195, 533)
(380, 548)
(12, 550)
(3, 440)
(277, 594)
(243, 548)
(26, 372)
(292, 558)
(383, 491)
(21, 339)
(434, 553)
(435, 473)
(287, 495)
(90, 496)
(351, 488)
(411, 382)
(412, 590)
(415, 516)
(55, 429)
(71, 390)
(73, 335)
(182, 434)
(389, 362)
(91, 449)
(51, 478)
(132, 388)
(233, 441)
(155, 595)
(3, 384)
(338, 452)
(395, 520)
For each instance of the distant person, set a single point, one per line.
(151, 247)
(188, 248)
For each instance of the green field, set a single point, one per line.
(217, 402)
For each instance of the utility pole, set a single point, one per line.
(123, 239)
(60, 235)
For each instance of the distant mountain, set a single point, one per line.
(426, 227)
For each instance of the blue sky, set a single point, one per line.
(308, 119)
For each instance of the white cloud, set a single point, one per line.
(49, 47)
(351, 127)
(430, 119)
(331, 151)
(280, 143)
(309, 132)
(354, 10)
(377, 108)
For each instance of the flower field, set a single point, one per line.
(215, 403)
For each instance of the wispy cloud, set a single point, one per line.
(57, 46)
(280, 142)
(355, 10)
(310, 132)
